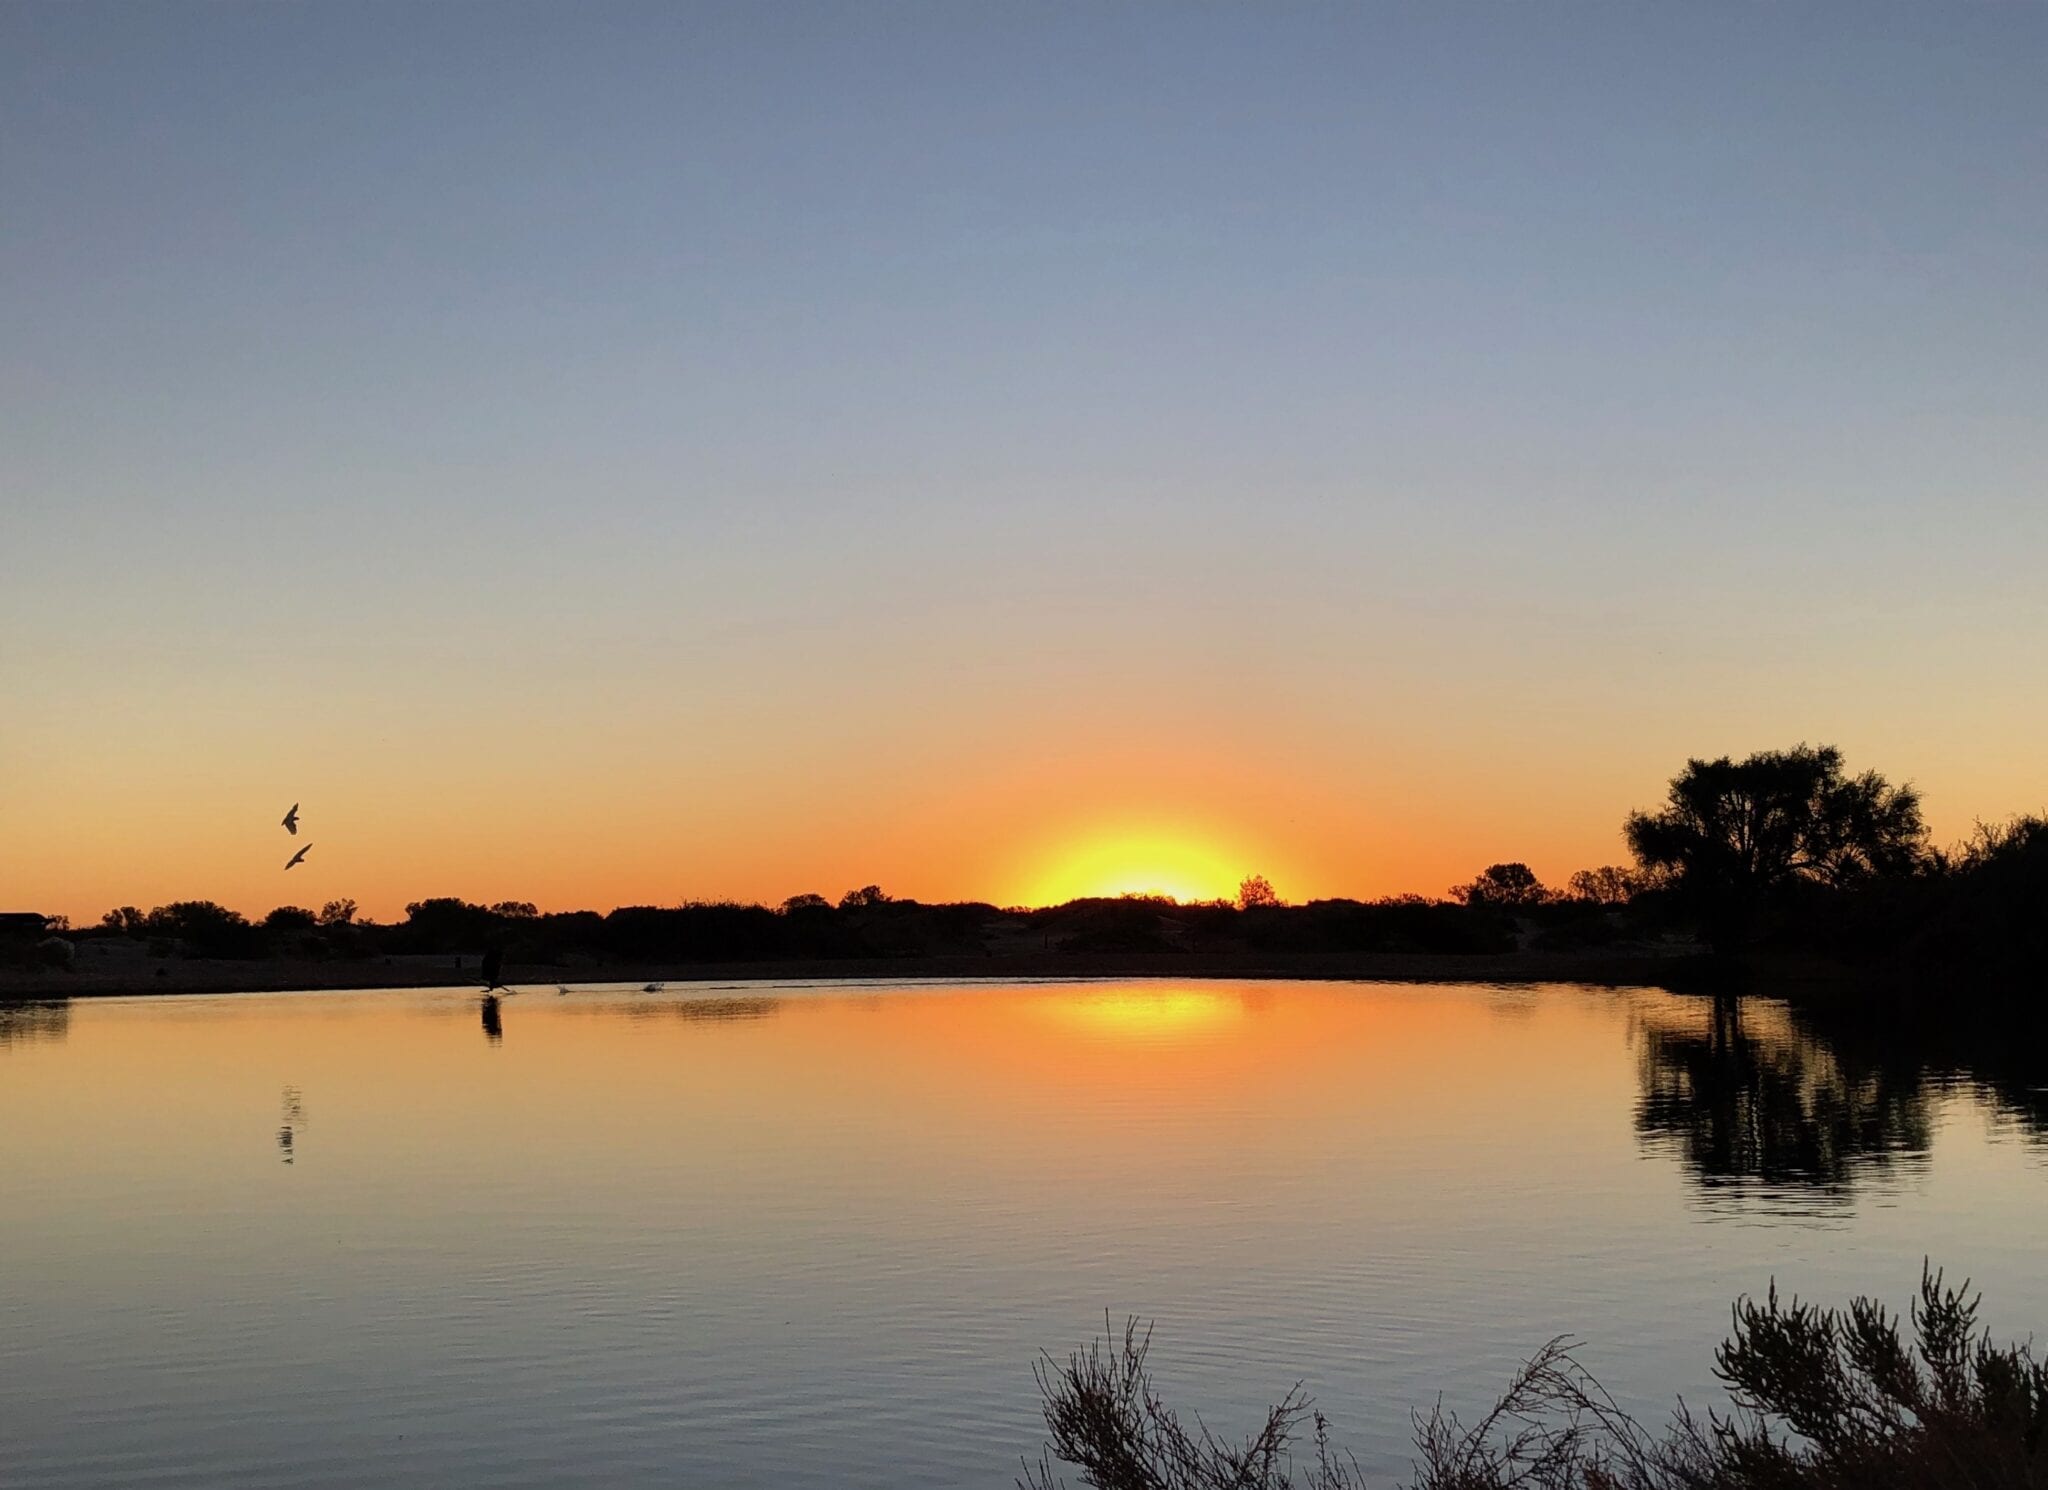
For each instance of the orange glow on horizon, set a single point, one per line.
(392, 821)
(1185, 863)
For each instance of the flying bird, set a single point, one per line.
(291, 820)
(298, 856)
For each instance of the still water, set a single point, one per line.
(789, 1236)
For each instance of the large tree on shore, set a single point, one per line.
(1512, 884)
(1733, 832)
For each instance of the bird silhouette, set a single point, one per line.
(298, 856)
(291, 820)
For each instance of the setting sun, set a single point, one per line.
(1135, 861)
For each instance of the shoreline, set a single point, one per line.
(206, 976)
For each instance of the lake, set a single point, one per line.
(771, 1235)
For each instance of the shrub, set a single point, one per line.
(1104, 1418)
(1822, 1400)
(202, 929)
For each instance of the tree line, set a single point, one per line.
(1784, 850)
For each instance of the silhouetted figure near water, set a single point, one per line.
(493, 963)
(494, 1023)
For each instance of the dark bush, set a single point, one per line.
(1104, 924)
(1821, 1400)
(703, 932)
(200, 928)
(1582, 925)
(1399, 925)
(1128, 937)
(445, 924)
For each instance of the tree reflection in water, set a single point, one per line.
(707, 1010)
(1995, 1047)
(1750, 1091)
(22, 1023)
(1746, 1095)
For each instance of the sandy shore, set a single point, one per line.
(181, 975)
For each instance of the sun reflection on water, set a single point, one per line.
(1145, 1014)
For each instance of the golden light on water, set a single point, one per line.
(1146, 1014)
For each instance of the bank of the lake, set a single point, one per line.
(283, 975)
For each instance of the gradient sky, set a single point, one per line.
(596, 454)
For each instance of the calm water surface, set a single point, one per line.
(813, 1236)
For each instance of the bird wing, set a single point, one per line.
(291, 819)
(298, 856)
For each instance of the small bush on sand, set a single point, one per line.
(1822, 1399)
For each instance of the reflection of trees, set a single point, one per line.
(292, 1117)
(25, 1022)
(707, 1010)
(1759, 1100)
(2017, 1087)
(1961, 1039)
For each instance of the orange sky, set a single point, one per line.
(594, 807)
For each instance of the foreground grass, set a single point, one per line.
(1823, 1399)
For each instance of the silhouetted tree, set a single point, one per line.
(1608, 885)
(699, 931)
(128, 920)
(206, 929)
(1733, 832)
(866, 895)
(338, 913)
(515, 910)
(181, 917)
(1512, 884)
(447, 924)
(1985, 908)
(1407, 925)
(1256, 890)
(289, 918)
(797, 904)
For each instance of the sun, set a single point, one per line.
(1135, 861)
